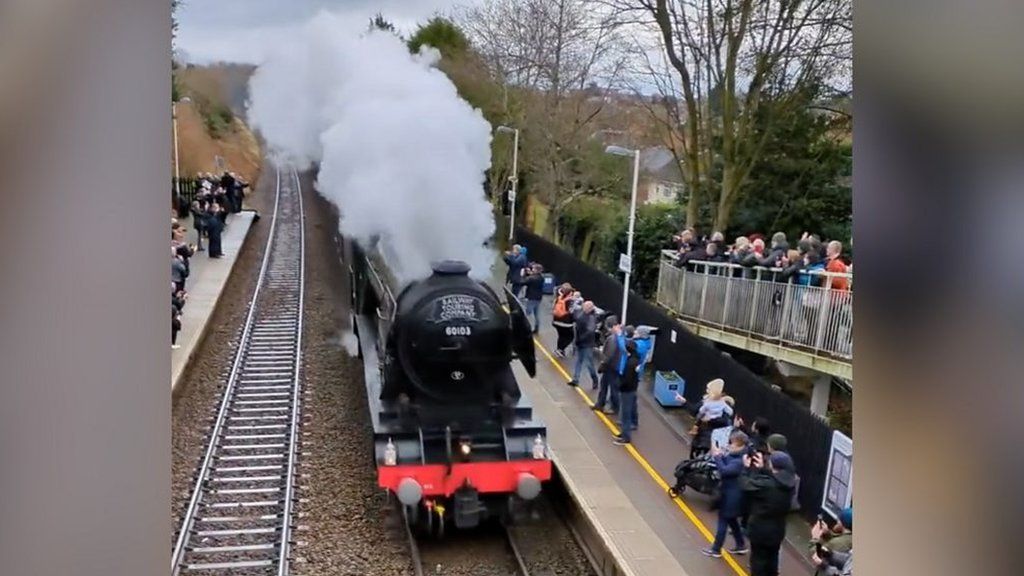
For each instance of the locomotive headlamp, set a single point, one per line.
(538, 448)
(465, 448)
(390, 454)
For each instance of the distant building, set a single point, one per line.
(661, 178)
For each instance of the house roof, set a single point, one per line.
(659, 162)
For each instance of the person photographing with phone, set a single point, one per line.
(769, 484)
(831, 563)
(826, 541)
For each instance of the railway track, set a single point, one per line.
(239, 519)
(484, 553)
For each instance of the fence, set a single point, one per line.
(697, 361)
(189, 188)
(752, 302)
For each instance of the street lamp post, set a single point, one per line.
(174, 127)
(620, 151)
(514, 178)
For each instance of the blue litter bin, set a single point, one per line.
(666, 386)
(549, 283)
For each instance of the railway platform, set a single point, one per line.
(205, 284)
(623, 489)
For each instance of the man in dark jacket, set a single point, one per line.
(198, 222)
(778, 250)
(730, 468)
(758, 431)
(585, 324)
(696, 252)
(214, 228)
(713, 253)
(178, 270)
(612, 351)
(629, 381)
(227, 182)
(769, 485)
(534, 282)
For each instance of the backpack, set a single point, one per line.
(561, 307)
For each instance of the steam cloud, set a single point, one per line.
(401, 155)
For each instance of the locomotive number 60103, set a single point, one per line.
(458, 330)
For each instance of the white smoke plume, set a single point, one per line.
(400, 154)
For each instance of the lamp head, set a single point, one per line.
(619, 151)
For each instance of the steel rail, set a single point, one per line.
(277, 306)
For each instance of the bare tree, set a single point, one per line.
(549, 56)
(742, 66)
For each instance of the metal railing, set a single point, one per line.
(754, 302)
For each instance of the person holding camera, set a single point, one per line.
(769, 484)
(831, 563)
(837, 539)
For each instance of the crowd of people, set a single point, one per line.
(757, 479)
(181, 254)
(796, 264)
(814, 269)
(215, 200)
(758, 489)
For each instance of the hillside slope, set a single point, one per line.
(212, 137)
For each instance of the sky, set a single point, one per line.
(243, 30)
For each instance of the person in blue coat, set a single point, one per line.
(730, 506)
(642, 338)
(516, 260)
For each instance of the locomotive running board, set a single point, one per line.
(522, 334)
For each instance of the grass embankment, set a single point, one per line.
(211, 135)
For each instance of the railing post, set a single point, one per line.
(661, 272)
(753, 307)
(725, 307)
(682, 291)
(703, 296)
(784, 318)
(824, 307)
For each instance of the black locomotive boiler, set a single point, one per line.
(455, 439)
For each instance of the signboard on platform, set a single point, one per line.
(839, 480)
(625, 263)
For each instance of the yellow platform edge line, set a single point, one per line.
(639, 458)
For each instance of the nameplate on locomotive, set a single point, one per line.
(458, 307)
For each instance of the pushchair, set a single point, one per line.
(701, 474)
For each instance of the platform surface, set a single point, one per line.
(625, 487)
(205, 283)
(605, 503)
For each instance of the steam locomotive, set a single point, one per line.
(454, 437)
